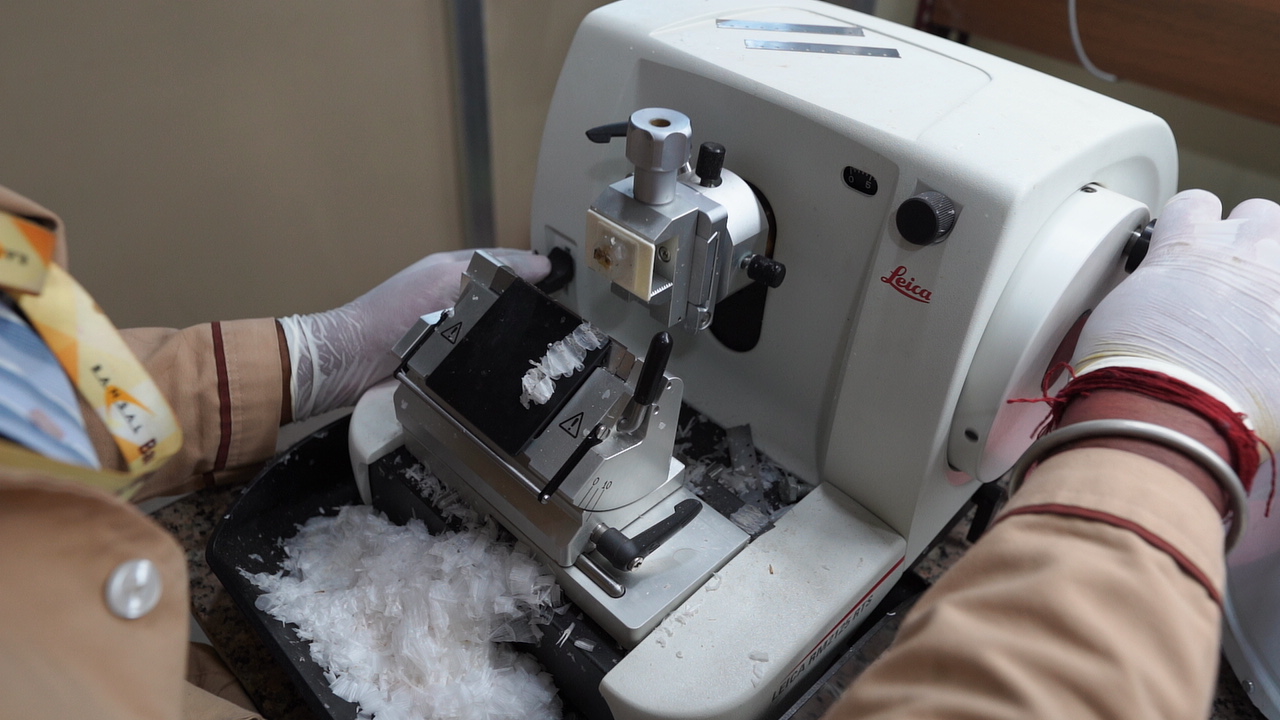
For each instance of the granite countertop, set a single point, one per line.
(192, 521)
(193, 518)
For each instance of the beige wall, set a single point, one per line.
(526, 45)
(232, 158)
(1234, 156)
(899, 11)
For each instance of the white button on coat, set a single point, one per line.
(133, 590)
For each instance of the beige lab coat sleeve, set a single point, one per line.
(224, 382)
(1096, 595)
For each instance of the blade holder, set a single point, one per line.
(594, 438)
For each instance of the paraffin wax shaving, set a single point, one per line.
(750, 518)
(563, 358)
(443, 497)
(406, 623)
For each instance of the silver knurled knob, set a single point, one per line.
(659, 143)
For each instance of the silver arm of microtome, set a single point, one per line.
(675, 238)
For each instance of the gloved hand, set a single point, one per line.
(338, 354)
(1203, 307)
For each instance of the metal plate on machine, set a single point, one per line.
(577, 417)
(668, 576)
(822, 48)
(480, 378)
(852, 30)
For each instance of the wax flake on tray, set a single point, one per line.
(724, 468)
(443, 497)
(750, 519)
(410, 625)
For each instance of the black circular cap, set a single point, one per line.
(926, 218)
(1136, 249)
(766, 270)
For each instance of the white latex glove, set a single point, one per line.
(1203, 307)
(338, 354)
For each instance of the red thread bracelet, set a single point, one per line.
(1241, 441)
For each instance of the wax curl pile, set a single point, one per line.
(409, 625)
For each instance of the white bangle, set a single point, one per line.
(1196, 451)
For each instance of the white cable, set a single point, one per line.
(1079, 45)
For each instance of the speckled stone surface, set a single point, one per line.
(193, 519)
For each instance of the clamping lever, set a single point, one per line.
(626, 553)
(649, 385)
(594, 438)
(604, 133)
(561, 271)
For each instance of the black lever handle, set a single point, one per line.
(594, 438)
(605, 133)
(561, 271)
(627, 554)
(649, 385)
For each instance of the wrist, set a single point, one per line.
(1126, 405)
(286, 376)
(1127, 364)
(302, 359)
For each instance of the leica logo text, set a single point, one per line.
(905, 285)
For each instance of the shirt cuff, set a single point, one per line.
(249, 388)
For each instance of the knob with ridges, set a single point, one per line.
(710, 164)
(926, 218)
(658, 144)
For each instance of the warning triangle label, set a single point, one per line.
(573, 425)
(451, 333)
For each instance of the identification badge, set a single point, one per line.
(89, 348)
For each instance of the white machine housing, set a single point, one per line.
(883, 366)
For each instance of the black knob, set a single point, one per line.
(651, 382)
(926, 218)
(561, 271)
(1135, 251)
(710, 163)
(594, 438)
(766, 270)
(621, 551)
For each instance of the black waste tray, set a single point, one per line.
(312, 478)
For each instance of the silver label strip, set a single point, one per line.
(820, 48)
(853, 30)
